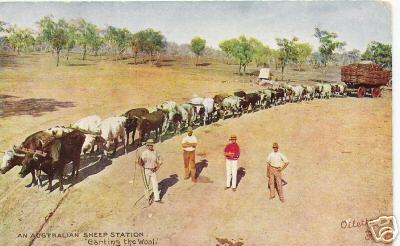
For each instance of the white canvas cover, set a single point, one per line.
(264, 73)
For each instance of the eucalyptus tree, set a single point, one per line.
(198, 45)
(54, 33)
(118, 39)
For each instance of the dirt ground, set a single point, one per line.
(339, 151)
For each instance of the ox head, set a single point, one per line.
(31, 161)
(11, 159)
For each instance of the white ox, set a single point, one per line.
(170, 109)
(90, 124)
(298, 91)
(231, 105)
(309, 92)
(90, 142)
(111, 129)
(187, 112)
(204, 108)
(326, 91)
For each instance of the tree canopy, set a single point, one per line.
(198, 45)
(21, 39)
(54, 33)
(287, 52)
(379, 53)
(328, 44)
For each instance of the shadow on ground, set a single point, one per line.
(14, 106)
(166, 183)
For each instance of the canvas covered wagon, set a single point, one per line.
(365, 78)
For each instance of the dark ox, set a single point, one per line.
(132, 117)
(58, 153)
(253, 99)
(239, 93)
(218, 99)
(150, 122)
(17, 157)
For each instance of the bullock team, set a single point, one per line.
(49, 151)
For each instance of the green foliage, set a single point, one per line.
(118, 38)
(241, 49)
(88, 37)
(147, 41)
(72, 37)
(54, 33)
(328, 44)
(379, 53)
(288, 51)
(227, 46)
(198, 45)
(262, 53)
(303, 52)
(21, 39)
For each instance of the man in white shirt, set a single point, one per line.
(150, 160)
(189, 143)
(276, 163)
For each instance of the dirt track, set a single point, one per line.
(340, 169)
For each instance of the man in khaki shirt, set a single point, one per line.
(189, 143)
(276, 163)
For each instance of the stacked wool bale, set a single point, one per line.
(372, 74)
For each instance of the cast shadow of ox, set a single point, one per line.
(91, 165)
(14, 106)
(166, 183)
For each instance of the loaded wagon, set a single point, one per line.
(362, 79)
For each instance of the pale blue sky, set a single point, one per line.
(356, 22)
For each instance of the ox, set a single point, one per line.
(151, 122)
(90, 124)
(132, 117)
(231, 105)
(16, 156)
(111, 129)
(326, 91)
(57, 153)
(253, 100)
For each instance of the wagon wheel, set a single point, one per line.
(361, 91)
(376, 92)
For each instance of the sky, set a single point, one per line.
(356, 22)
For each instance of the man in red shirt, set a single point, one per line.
(232, 153)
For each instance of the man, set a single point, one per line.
(232, 153)
(276, 163)
(151, 162)
(189, 143)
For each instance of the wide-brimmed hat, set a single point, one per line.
(189, 129)
(150, 142)
(233, 137)
(275, 145)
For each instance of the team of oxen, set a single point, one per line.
(52, 149)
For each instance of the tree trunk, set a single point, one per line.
(58, 57)
(84, 53)
(283, 67)
(240, 68)
(67, 54)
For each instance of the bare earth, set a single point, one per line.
(340, 170)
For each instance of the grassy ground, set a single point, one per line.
(339, 149)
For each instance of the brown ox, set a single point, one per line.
(58, 153)
(17, 157)
(150, 122)
(131, 124)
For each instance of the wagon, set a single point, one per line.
(362, 79)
